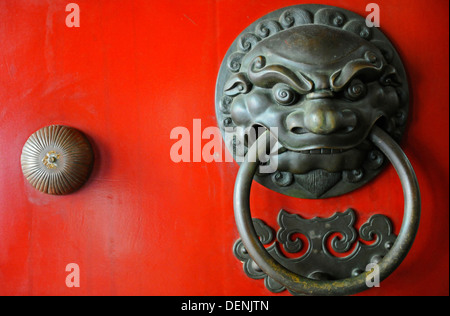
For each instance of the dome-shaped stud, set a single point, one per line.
(57, 159)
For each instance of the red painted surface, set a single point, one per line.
(143, 225)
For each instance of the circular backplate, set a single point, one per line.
(269, 54)
(57, 159)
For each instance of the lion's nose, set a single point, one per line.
(321, 118)
(321, 121)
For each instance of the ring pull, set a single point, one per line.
(332, 95)
(303, 285)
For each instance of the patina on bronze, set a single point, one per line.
(323, 79)
(332, 94)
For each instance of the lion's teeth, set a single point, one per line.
(324, 151)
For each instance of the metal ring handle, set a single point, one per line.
(300, 284)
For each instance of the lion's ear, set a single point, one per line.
(385, 49)
(390, 77)
(237, 84)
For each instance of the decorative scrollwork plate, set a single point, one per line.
(326, 238)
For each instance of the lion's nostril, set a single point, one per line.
(299, 130)
(348, 129)
(349, 120)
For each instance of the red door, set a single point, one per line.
(143, 224)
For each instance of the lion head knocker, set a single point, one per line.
(322, 79)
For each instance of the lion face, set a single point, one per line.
(320, 89)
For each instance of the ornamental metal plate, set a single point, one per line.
(331, 249)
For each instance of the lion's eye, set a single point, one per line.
(284, 95)
(356, 90)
